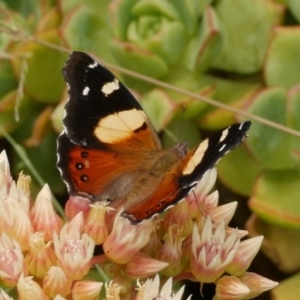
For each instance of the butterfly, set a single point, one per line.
(109, 150)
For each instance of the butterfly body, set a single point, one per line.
(109, 150)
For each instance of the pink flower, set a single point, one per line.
(11, 260)
(143, 266)
(231, 288)
(75, 205)
(73, 249)
(5, 177)
(171, 251)
(94, 224)
(4, 296)
(212, 251)
(257, 284)
(56, 282)
(43, 215)
(40, 257)
(198, 200)
(15, 221)
(180, 215)
(86, 290)
(126, 239)
(245, 254)
(150, 290)
(29, 289)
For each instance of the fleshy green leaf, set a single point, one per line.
(167, 40)
(139, 60)
(294, 6)
(98, 6)
(121, 16)
(283, 58)
(158, 107)
(269, 146)
(7, 77)
(84, 29)
(43, 80)
(190, 11)
(203, 45)
(243, 45)
(162, 8)
(238, 171)
(7, 108)
(288, 288)
(180, 130)
(276, 197)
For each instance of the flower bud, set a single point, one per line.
(40, 257)
(142, 266)
(244, 256)
(29, 289)
(180, 215)
(11, 260)
(126, 239)
(171, 252)
(94, 224)
(86, 290)
(43, 216)
(231, 288)
(73, 249)
(257, 284)
(56, 282)
(212, 251)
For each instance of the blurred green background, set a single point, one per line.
(245, 54)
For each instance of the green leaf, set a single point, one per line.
(288, 289)
(43, 158)
(160, 8)
(204, 44)
(7, 108)
(84, 29)
(158, 107)
(269, 146)
(137, 59)
(243, 45)
(293, 108)
(191, 11)
(235, 93)
(57, 117)
(294, 6)
(282, 66)
(43, 79)
(7, 77)
(121, 16)
(98, 6)
(276, 197)
(238, 171)
(180, 130)
(280, 244)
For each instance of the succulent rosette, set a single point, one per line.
(157, 37)
(242, 53)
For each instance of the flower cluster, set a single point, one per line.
(44, 257)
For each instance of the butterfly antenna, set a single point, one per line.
(181, 123)
(201, 211)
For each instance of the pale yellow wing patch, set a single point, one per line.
(196, 158)
(120, 126)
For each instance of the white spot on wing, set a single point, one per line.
(196, 158)
(221, 149)
(224, 135)
(109, 87)
(93, 65)
(119, 126)
(85, 91)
